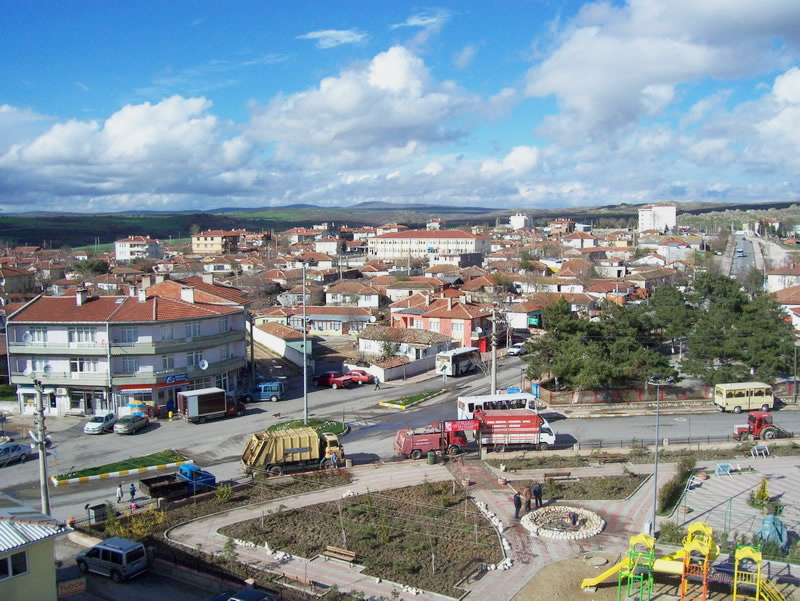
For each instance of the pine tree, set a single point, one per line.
(762, 494)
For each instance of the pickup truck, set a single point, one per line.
(334, 379)
(188, 480)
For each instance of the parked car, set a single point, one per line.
(265, 390)
(13, 451)
(100, 422)
(248, 594)
(515, 350)
(334, 379)
(116, 557)
(130, 424)
(360, 376)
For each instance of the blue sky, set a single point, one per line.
(539, 104)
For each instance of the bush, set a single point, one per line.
(671, 492)
(670, 532)
(224, 492)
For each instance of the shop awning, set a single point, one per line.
(31, 390)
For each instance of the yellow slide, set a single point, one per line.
(587, 582)
(769, 591)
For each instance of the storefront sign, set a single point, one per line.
(176, 378)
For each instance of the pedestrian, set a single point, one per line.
(119, 493)
(132, 490)
(517, 504)
(526, 496)
(334, 459)
(537, 494)
(377, 383)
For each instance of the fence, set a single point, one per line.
(634, 443)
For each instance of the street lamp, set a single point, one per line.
(44, 491)
(657, 381)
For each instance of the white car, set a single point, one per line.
(515, 350)
(100, 422)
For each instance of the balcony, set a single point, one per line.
(164, 347)
(84, 349)
(154, 377)
(65, 378)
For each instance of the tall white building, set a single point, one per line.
(519, 221)
(661, 217)
(423, 243)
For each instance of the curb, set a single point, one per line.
(138, 470)
(391, 405)
(635, 414)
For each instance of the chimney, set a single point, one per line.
(449, 303)
(160, 277)
(142, 295)
(208, 278)
(468, 298)
(147, 281)
(427, 299)
(81, 296)
(187, 294)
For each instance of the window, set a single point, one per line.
(192, 329)
(223, 324)
(130, 365)
(434, 325)
(38, 334)
(194, 358)
(418, 324)
(225, 352)
(39, 365)
(167, 362)
(81, 334)
(167, 332)
(13, 565)
(82, 364)
(458, 327)
(128, 334)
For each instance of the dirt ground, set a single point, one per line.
(561, 581)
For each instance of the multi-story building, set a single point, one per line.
(216, 242)
(519, 221)
(137, 247)
(422, 243)
(95, 353)
(661, 217)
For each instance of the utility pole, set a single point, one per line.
(305, 351)
(252, 351)
(494, 352)
(43, 488)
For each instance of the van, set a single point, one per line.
(265, 390)
(116, 557)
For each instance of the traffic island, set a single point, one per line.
(135, 465)
(409, 401)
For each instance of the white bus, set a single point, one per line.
(458, 361)
(519, 400)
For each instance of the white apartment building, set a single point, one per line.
(116, 352)
(661, 217)
(422, 243)
(519, 221)
(137, 247)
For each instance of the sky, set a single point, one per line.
(146, 105)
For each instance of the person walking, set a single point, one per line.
(132, 490)
(119, 493)
(537, 494)
(526, 497)
(517, 504)
(377, 383)
(334, 460)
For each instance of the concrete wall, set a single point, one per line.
(398, 373)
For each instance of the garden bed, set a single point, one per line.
(318, 425)
(394, 535)
(160, 458)
(595, 488)
(408, 401)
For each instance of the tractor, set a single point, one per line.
(759, 427)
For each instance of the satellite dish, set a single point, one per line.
(27, 371)
(479, 330)
(47, 368)
(26, 337)
(372, 319)
(203, 364)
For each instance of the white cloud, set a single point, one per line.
(464, 57)
(18, 125)
(519, 161)
(330, 38)
(432, 168)
(426, 20)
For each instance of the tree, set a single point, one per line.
(90, 267)
(753, 282)
(388, 347)
(669, 313)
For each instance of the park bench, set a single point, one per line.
(338, 553)
(549, 475)
(612, 458)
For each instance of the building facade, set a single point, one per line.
(422, 243)
(661, 217)
(115, 352)
(215, 242)
(137, 247)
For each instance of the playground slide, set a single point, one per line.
(587, 582)
(769, 591)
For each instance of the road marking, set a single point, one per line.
(138, 470)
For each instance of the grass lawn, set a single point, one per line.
(168, 456)
(593, 488)
(319, 425)
(414, 398)
(8, 392)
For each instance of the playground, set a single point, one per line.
(715, 513)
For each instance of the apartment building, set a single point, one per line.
(422, 243)
(660, 217)
(137, 247)
(216, 242)
(94, 353)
